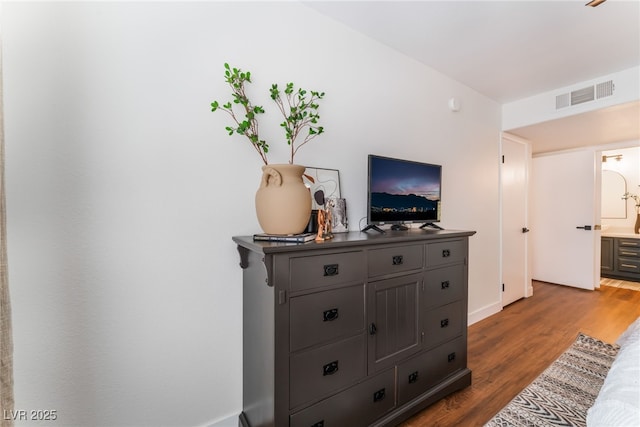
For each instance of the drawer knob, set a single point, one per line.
(378, 395)
(318, 424)
(398, 260)
(451, 357)
(330, 368)
(446, 253)
(330, 315)
(444, 285)
(413, 377)
(444, 323)
(331, 270)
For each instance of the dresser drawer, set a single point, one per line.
(418, 374)
(323, 316)
(628, 243)
(358, 406)
(324, 270)
(448, 252)
(629, 265)
(444, 285)
(321, 371)
(443, 323)
(395, 259)
(628, 251)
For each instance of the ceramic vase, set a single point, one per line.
(283, 202)
(636, 228)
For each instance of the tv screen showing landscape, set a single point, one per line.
(403, 191)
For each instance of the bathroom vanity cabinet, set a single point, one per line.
(620, 258)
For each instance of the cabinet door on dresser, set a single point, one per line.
(606, 254)
(392, 320)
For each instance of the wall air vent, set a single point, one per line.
(563, 100)
(582, 95)
(604, 89)
(586, 94)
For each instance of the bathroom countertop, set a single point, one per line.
(624, 234)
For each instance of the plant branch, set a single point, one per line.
(299, 113)
(248, 127)
(299, 109)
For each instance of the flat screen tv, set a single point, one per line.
(402, 191)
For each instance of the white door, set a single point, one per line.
(563, 209)
(514, 176)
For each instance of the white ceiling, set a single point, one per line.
(510, 50)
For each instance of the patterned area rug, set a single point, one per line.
(561, 395)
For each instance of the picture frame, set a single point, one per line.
(338, 208)
(323, 184)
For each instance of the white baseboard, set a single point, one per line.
(484, 312)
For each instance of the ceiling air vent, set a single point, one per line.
(586, 94)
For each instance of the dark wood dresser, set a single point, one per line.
(361, 330)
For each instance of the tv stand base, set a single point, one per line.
(399, 227)
(373, 227)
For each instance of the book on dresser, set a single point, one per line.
(292, 238)
(363, 332)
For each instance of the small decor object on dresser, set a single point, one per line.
(324, 225)
(288, 238)
(283, 204)
(338, 209)
(323, 184)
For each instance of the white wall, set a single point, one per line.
(124, 190)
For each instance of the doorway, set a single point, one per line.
(620, 175)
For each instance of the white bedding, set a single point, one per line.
(618, 403)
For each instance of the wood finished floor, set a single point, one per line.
(617, 283)
(510, 349)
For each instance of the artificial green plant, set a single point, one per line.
(298, 107)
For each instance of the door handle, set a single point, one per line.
(525, 230)
(585, 227)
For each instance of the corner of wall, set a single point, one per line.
(484, 312)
